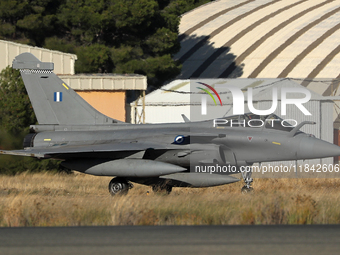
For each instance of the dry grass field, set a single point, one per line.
(47, 199)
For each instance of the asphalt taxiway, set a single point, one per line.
(280, 239)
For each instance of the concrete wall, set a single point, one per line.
(110, 103)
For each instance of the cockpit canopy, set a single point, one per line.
(271, 121)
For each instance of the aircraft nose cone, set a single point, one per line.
(315, 148)
(328, 149)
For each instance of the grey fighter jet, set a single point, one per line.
(159, 155)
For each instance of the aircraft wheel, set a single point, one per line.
(118, 187)
(245, 189)
(166, 189)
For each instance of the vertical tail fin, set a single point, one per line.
(53, 101)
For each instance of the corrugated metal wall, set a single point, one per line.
(105, 82)
(161, 114)
(327, 129)
(63, 62)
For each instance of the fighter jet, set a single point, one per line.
(162, 156)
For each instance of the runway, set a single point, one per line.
(312, 239)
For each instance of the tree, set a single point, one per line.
(16, 114)
(121, 36)
(28, 21)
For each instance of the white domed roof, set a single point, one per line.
(261, 39)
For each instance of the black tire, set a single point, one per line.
(246, 190)
(118, 187)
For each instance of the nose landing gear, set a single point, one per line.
(246, 175)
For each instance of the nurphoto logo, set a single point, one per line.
(239, 100)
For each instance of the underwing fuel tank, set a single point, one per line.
(123, 167)
(197, 180)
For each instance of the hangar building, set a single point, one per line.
(105, 92)
(261, 38)
(169, 102)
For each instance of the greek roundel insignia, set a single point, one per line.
(179, 139)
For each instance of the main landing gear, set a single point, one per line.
(246, 175)
(119, 186)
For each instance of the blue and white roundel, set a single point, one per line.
(179, 139)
